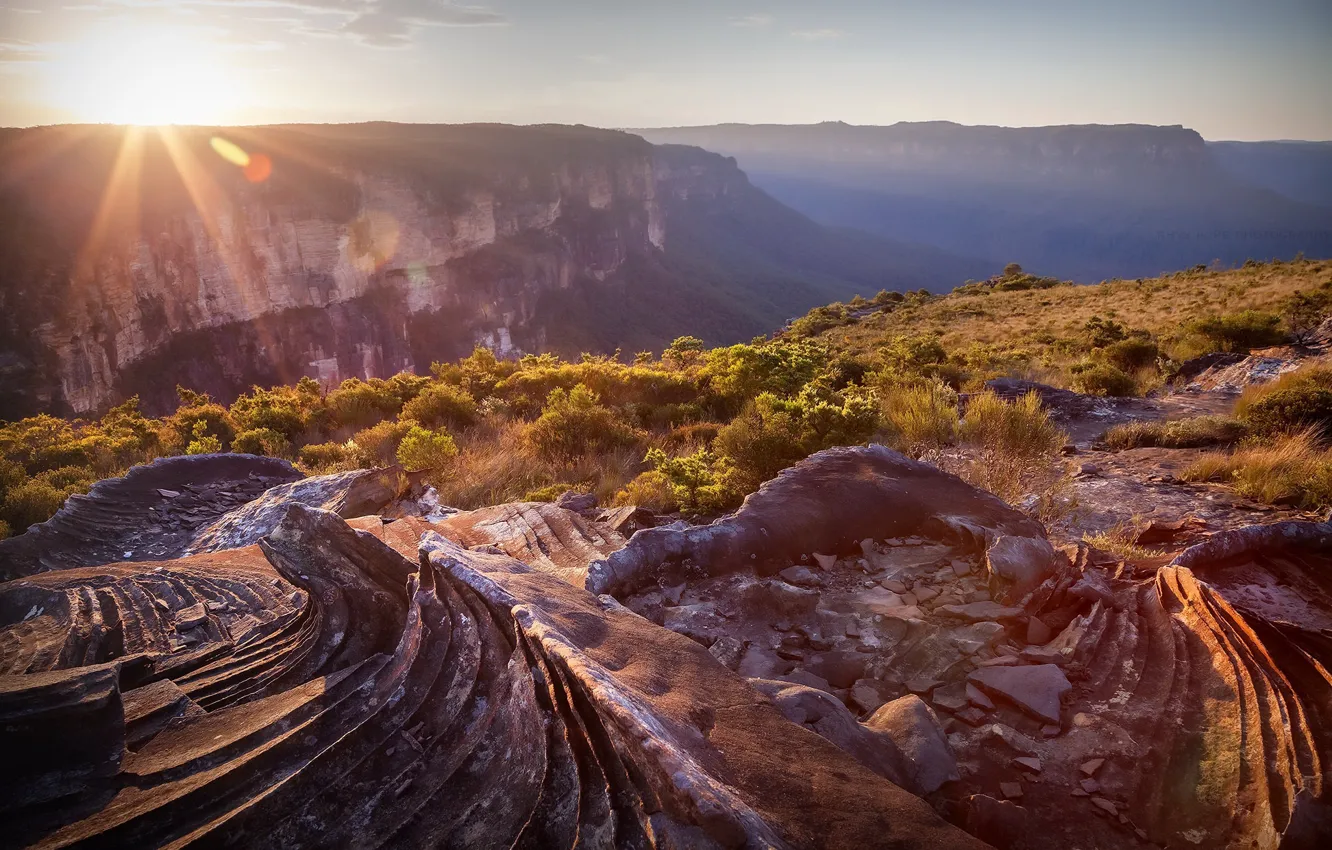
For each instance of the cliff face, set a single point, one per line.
(188, 274)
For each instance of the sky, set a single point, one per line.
(1230, 69)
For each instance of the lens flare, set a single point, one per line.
(230, 151)
(371, 241)
(259, 168)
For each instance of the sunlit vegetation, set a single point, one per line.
(695, 430)
(1295, 470)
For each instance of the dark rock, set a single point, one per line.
(977, 612)
(1018, 565)
(1036, 690)
(915, 729)
(577, 502)
(728, 651)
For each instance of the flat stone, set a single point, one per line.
(1022, 563)
(1078, 792)
(1038, 632)
(909, 599)
(1010, 790)
(826, 562)
(194, 615)
(916, 731)
(1091, 786)
(1090, 767)
(1036, 689)
(866, 696)
(728, 651)
(1051, 731)
(921, 685)
(1042, 655)
(971, 716)
(1105, 805)
(924, 593)
(168, 494)
(951, 698)
(976, 612)
(999, 661)
(894, 585)
(801, 577)
(978, 698)
(961, 568)
(1028, 763)
(808, 679)
(673, 594)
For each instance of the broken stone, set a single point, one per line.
(1037, 689)
(1091, 786)
(998, 661)
(961, 568)
(1028, 763)
(866, 696)
(1020, 564)
(168, 494)
(1105, 805)
(924, 593)
(894, 585)
(801, 577)
(910, 723)
(825, 562)
(951, 698)
(972, 716)
(808, 679)
(194, 615)
(921, 686)
(980, 611)
(1038, 632)
(1090, 766)
(1010, 790)
(728, 651)
(978, 698)
(1051, 731)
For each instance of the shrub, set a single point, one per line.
(70, 479)
(1192, 433)
(261, 441)
(440, 405)
(378, 444)
(1234, 332)
(699, 482)
(422, 449)
(199, 419)
(286, 411)
(576, 423)
(4, 530)
(1102, 379)
(325, 456)
(360, 404)
(1020, 428)
(549, 493)
(1295, 401)
(30, 503)
(919, 418)
(1292, 471)
(203, 443)
(651, 490)
(1129, 355)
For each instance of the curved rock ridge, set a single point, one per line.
(540, 534)
(826, 503)
(150, 513)
(347, 494)
(467, 700)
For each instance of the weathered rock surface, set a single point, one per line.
(153, 512)
(347, 494)
(421, 681)
(826, 503)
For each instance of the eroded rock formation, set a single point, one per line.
(864, 627)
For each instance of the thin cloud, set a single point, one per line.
(818, 35)
(752, 21)
(13, 51)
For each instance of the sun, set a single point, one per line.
(147, 75)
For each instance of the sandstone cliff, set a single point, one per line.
(136, 260)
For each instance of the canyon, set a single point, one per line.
(138, 260)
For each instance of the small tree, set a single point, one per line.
(422, 449)
(1012, 270)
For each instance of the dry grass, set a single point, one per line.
(1193, 433)
(1027, 320)
(1121, 540)
(494, 466)
(917, 419)
(1294, 470)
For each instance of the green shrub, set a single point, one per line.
(378, 444)
(1295, 401)
(1192, 433)
(69, 479)
(1294, 470)
(651, 490)
(919, 418)
(440, 405)
(30, 503)
(287, 411)
(203, 443)
(1020, 428)
(361, 404)
(1102, 379)
(575, 423)
(422, 449)
(325, 456)
(198, 418)
(261, 441)
(1234, 332)
(549, 493)
(4, 530)
(1129, 355)
(699, 482)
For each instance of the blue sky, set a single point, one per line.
(1232, 69)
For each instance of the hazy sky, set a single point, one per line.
(1231, 69)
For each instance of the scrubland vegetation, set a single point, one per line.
(697, 429)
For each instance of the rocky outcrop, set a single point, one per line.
(153, 512)
(467, 700)
(826, 503)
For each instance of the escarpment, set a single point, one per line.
(869, 653)
(141, 259)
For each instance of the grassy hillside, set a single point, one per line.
(695, 429)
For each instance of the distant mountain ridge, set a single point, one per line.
(1085, 202)
(133, 262)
